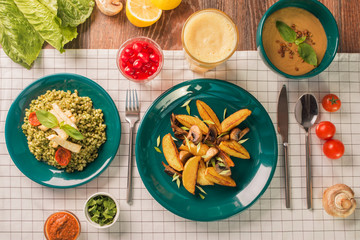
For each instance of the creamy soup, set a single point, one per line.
(284, 55)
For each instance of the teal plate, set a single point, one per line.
(41, 172)
(252, 176)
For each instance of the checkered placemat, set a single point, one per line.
(25, 205)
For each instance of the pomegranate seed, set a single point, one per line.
(131, 60)
(137, 47)
(154, 57)
(145, 45)
(137, 64)
(124, 58)
(123, 64)
(153, 68)
(150, 50)
(129, 70)
(143, 56)
(128, 51)
(150, 73)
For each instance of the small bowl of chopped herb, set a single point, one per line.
(101, 210)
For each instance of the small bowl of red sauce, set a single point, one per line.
(140, 59)
(62, 225)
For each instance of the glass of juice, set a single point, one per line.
(209, 37)
(140, 59)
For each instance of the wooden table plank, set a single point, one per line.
(105, 32)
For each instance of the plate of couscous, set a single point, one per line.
(63, 130)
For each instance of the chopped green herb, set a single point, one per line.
(200, 188)
(224, 115)
(223, 134)
(221, 164)
(219, 159)
(286, 32)
(158, 141)
(158, 149)
(175, 177)
(198, 147)
(185, 128)
(188, 109)
(186, 103)
(307, 53)
(175, 139)
(208, 122)
(224, 172)
(202, 196)
(71, 131)
(243, 140)
(187, 143)
(47, 119)
(213, 162)
(300, 40)
(101, 209)
(204, 156)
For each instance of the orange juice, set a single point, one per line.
(209, 38)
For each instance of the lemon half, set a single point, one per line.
(142, 13)
(166, 4)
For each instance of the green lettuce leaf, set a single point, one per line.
(46, 23)
(18, 37)
(74, 12)
(52, 5)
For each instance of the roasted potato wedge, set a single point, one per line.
(171, 153)
(194, 149)
(206, 113)
(184, 156)
(226, 158)
(234, 119)
(189, 121)
(189, 175)
(201, 179)
(233, 148)
(213, 176)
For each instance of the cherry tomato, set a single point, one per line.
(325, 130)
(33, 120)
(62, 156)
(331, 103)
(333, 149)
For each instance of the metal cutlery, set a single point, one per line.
(306, 113)
(283, 128)
(132, 115)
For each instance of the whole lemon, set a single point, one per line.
(166, 4)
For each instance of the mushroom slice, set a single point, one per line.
(195, 134)
(211, 136)
(184, 156)
(109, 7)
(339, 201)
(223, 138)
(170, 171)
(211, 152)
(237, 134)
(178, 132)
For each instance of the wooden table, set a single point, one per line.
(103, 32)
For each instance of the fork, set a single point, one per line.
(132, 113)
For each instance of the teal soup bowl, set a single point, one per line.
(326, 19)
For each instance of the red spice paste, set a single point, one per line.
(62, 226)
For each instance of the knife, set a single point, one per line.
(283, 127)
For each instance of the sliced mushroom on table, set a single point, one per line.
(338, 201)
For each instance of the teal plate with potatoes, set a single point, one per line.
(252, 176)
(41, 172)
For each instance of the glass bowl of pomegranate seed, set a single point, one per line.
(140, 59)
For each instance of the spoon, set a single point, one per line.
(306, 113)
